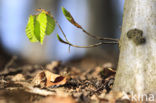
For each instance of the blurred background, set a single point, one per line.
(99, 17)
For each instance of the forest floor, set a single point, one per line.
(82, 82)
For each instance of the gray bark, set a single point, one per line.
(136, 70)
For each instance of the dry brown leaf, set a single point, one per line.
(53, 65)
(18, 77)
(54, 79)
(106, 72)
(48, 79)
(107, 65)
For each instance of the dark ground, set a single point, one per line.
(87, 82)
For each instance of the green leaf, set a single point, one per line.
(61, 40)
(70, 18)
(41, 21)
(67, 14)
(40, 25)
(30, 29)
(37, 29)
(50, 25)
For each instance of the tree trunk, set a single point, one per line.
(136, 70)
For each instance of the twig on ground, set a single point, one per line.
(10, 62)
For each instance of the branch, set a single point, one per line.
(61, 30)
(93, 45)
(66, 41)
(70, 18)
(89, 46)
(97, 37)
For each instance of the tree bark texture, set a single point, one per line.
(136, 70)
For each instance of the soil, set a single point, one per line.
(88, 82)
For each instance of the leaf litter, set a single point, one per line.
(58, 82)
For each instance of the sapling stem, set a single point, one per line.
(61, 30)
(97, 37)
(112, 41)
(94, 45)
(70, 18)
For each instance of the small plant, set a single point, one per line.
(43, 23)
(137, 57)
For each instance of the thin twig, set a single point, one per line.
(61, 30)
(69, 48)
(29, 88)
(10, 62)
(97, 37)
(93, 45)
(113, 41)
(93, 36)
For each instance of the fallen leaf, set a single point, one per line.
(48, 79)
(18, 77)
(107, 65)
(106, 72)
(53, 65)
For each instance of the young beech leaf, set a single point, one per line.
(40, 25)
(61, 40)
(50, 25)
(42, 20)
(30, 29)
(36, 28)
(70, 18)
(67, 14)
